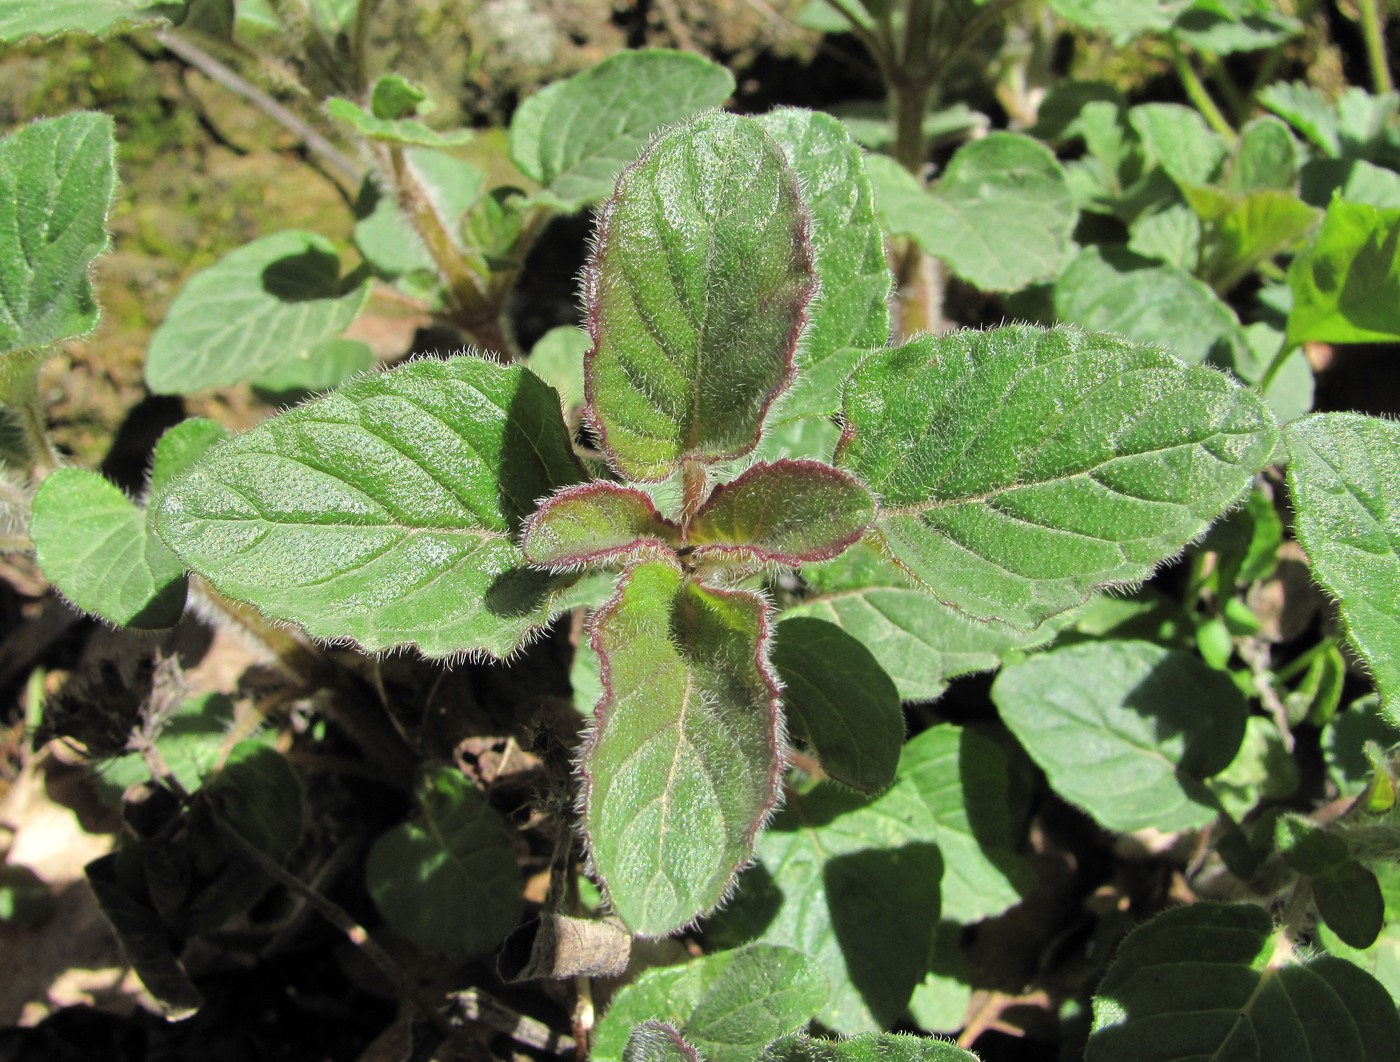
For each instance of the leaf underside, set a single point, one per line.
(683, 764)
(696, 293)
(1020, 469)
(386, 512)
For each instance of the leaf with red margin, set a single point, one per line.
(683, 764)
(697, 290)
(787, 512)
(594, 523)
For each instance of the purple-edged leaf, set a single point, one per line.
(655, 1041)
(697, 290)
(789, 512)
(594, 523)
(683, 764)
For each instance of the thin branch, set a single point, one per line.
(1196, 92)
(1373, 30)
(316, 143)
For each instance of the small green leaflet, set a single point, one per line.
(1020, 469)
(576, 135)
(57, 178)
(595, 523)
(447, 880)
(728, 1005)
(252, 312)
(683, 764)
(1345, 481)
(1346, 283)
(393, 102)
(696, 294)
(1126, 730)
(385, 512)
(93, 544)
(1215, 981)
(50, 18)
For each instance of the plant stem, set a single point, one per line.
(359, 45)
(1373, 30)
(315, 142)
(694, 481)
(1196, 91)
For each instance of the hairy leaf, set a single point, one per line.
(594, 523)
(447, 879)
(1346, 284)
(383, 232)
(655, 1041)
(1345, 481)
(50, 18)
(1126, 730)
(788, 512)
(576, 135)
(1020, 469)
(324, 367)
(1214, 981)
(867, 1047)
(386, 511)
(840, 702)
(56, 182)
(253, 311)
(682, 767)
(851, 313)
(729, 1005)
(697, 290)
(93, 545)
(180, 448)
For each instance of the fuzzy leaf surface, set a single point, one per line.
(57, 177)
(50, 18)
(682, 767)
(787, 512)
(1346, 284)
(593, 523)
(577, 135)
(254, 310)
(1126, 730)
(1000, 216)
(729, 1005)
(852, 312)
(696, 293)
(92, 544)
(180, 448)
(385, 512)
(447, 880)
(867, 1047)
(1345, 481)
(840, 702)
(1020, 469)
(1209, 981)
(853, 883)
(655, 1041)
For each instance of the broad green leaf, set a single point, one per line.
(1263, 769)
(383, 232)
(1020, 469)
(1110, 289)
(851, 311)
(1350, 903)
(867, 1047)
(594, 523)
(557, 359)
(385, 512)
(1308, 110)
(789, 512)
(397, 131)
(1344, 477)
(683, 764)
(963, 777)
(1381, 959)
(253, 311)
(1242, 231)
(1000, 216)
(840, 702)
(1215, 981)
(1172, 234)
(918, 641)
(179, 449)
(853, 884)
(1121, 19)
(1177, 139)
(729, 1005)
(1266, 158)
(257, 793)
(447, 879)
(697, 291)
(92, 544)
(1346, 284)
(1355, 180)
(56, 182)
(1126, 730)
(655, 1041)
(324, 367)
(1223, 27)
(577, 135)
(50, 18)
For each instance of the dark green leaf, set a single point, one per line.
(867, 1047)
(1349, 900)
(696, 293)
(393, 97)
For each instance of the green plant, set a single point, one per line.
(786, 524)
